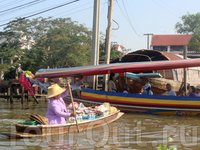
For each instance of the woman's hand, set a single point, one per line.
(72, 114)
(68, 85)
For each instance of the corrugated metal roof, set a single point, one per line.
(173, 40)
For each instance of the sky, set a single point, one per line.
(134, 17)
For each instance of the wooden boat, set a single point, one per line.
(158, 85)
(156, 104)
(29, 131)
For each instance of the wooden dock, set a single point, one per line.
(16, 91)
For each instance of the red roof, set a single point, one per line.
(176, 40)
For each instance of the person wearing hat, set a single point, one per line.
(147, 89)
(76, 85)
(56, 110)
(169, 91)
(197, 90)
(126, 88)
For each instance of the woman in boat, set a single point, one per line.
(191, 91)
(147, 89)
(111, 83)
(126, 88)
(57, 111)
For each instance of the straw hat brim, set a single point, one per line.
(58, 93)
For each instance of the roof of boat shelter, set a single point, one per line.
(147, 55)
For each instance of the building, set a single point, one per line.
(120, 48)
(170, 43)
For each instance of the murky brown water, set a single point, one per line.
(131, 131)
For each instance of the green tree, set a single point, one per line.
(11, 49)
(190, 25)
(52, 43)
(113, 53)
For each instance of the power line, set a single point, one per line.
(40, 12)
(74, 8)
(19, 6)
(127, 19)
(10, 3)
(165, 8)
(80, 10)
(133, 18)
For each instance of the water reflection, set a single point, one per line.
(131, 131)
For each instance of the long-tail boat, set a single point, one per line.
(156, 104)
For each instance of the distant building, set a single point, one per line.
(120, 48)
(170, 43)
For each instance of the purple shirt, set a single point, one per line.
(57, 111)
(125, 91)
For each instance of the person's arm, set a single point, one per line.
(72, 82)
(57, 110)
(66, 92)
(110, 87)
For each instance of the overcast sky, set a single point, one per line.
(135, 17)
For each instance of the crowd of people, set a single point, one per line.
(146, 89)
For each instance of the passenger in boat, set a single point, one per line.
(169, 91)
(76, 85)
(57, 111)
(197, 90)
(147, 90)
(191, 91)
(126, 88)
(111, 83)
(141, 90)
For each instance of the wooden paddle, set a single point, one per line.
(70, 92)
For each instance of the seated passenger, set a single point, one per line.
(126, 88)
(147, 89)
(141, 90)
(191, 91)
(169, 91)
(76, 85)
(111, 83)
(57, 111)
(197, 90)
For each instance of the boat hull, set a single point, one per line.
(156, 104)
(27, 131)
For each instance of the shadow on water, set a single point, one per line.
(131, 131)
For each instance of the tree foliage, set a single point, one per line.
(47, 43)
(113, 53)
(190, 25)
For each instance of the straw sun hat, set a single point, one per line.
(54, 90)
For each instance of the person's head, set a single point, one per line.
(112, 76)
(169, 87)
(126, 87)
(54, 91)
(197, 89)
(147, 86)
(78, 76)
(191, 89)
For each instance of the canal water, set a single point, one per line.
(131, 131)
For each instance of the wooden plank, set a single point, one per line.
(11, 94)
(22, 95)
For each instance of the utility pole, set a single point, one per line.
(95, 40)
(185, 69)
(108, 39)
(148, 39)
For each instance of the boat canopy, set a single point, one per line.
(117, 68)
